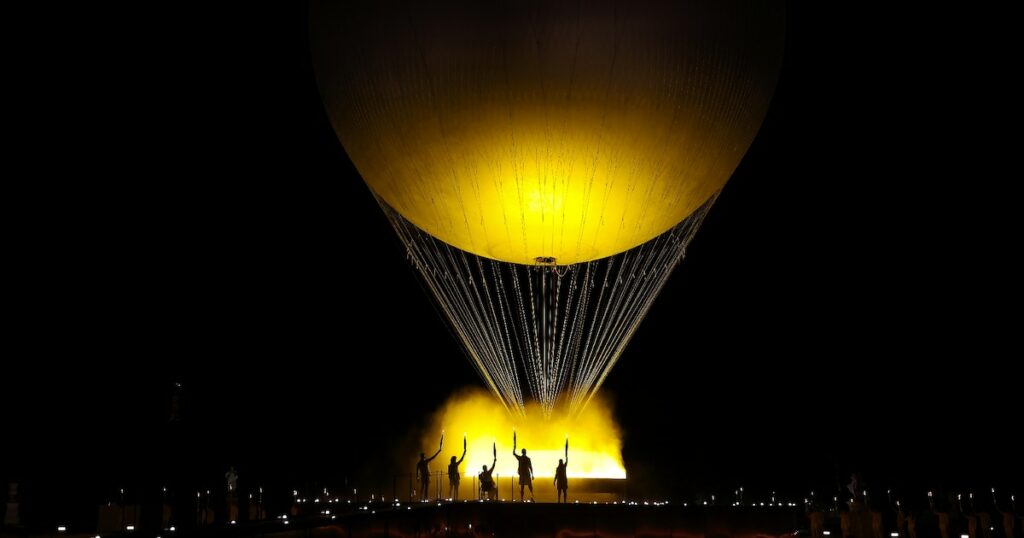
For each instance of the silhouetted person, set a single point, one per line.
(453, 474)
(525, 470)
(486, 480)
(561, 478)
(852, 486)
(231, 498)
(232, 478)
(423, 471)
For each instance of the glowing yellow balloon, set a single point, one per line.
(551, 130)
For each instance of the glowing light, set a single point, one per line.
(171, 529)
(596, 450)
(61, 528)
(894, 534)
(827, 533)
(574, 178)
(130, 528)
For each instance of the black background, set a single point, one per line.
(179, 210)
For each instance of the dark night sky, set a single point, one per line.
(188, 215)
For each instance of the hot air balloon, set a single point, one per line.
(546, 163)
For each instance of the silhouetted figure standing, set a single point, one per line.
(453, 473)
(525, 470)
(486, 480)
(852, 486)
(423, 471)
(561, 478)
(232, 479)
(232, 494)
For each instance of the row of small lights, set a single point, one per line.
(284, 517)
(128, 528)
(397, 504)
(625, 503)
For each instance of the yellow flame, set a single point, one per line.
(595, 440)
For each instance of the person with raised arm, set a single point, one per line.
(561, 478)
(423, 471)
(485, 476)
(525, 470)
(453, 473)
